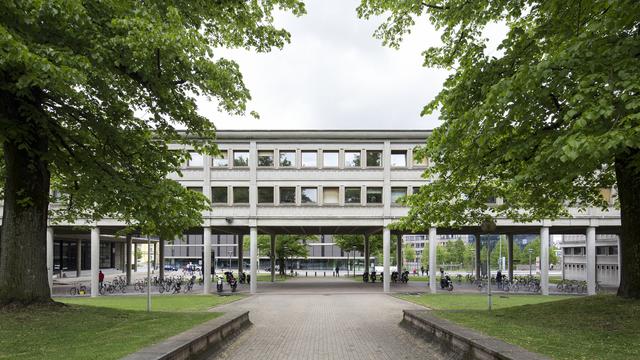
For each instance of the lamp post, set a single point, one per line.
(148, 274)
(488, 226)
(530, 252)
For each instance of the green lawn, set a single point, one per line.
(595, 327)
(100, 328)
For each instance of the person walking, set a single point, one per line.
(422, 270)
(499, 279)
(100, 278)
(337, 271)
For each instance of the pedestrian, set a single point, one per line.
(337, 271)
(100, 278)
(499, 278)
(422, 270)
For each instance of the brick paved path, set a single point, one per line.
(326, 326)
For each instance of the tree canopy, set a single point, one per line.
(544, 122)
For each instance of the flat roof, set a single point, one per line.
(348, 134)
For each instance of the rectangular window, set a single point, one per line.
(241, 195)
(240, 158)
(330, 159)
(221, 160)
(287, 158)
(219, 195)
(397, 193)
(420, 162)
(567, 251)
(196, 160)
(309, 195)
(398, 158)
(601, 250)
(613, 250)
(330, 195)
(195, 188)
(352, 159)
(374, 195)
(352, 195)
(309, 159)
(265, 195)
(265, 158)
(374, 158)
(287, 195)
(416, 190)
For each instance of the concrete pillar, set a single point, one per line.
(619, 261)
(135, 258)
(161, 258)
(432, 259)
(50, 258)
(510, 255)
(478, 262)
(253, 254)
(206, 275)
(95, 260)
(128, 258)
(79, 258)
(544, 260)
(155, 258)
(272, 257)
(591, 260)
(399, 252)
(240, 254)
(367, 260)
(386, 255)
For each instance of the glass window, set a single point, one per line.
(374, 158)
(567, 251)
(416, 190)
(309, 195)
(287, 195)
(330, 195)
(309, 159)
(352, 195)
(240, 158)
(398, 158)
(420, 162)
(601, 250)
(287, 158)
(330, 159)
(397, 193)
(219, 194)
(195, 188)
(196, 160)
(613, 250)
(221, 160)
(265, 195)
(352, 159)
(374, 195)
(240, 195)
(265, 158)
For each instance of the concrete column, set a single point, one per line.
(253, 253)
(240, 254)
(135, 258)
(478, 262)
(128, 258)
(510, 255)
(206, 275)
(155, 258)
(544, 260)
(161, 258)
(399, 252)
(619, 261)
(273, 257)
(79, 258)
(95, 260)
(591, 260)
(386, 255)
(367, 259)
(50, 258)
(432, 259)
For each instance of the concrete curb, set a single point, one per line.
(466, 343)
(202, 338)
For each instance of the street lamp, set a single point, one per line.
(488, 226)
(530, 252)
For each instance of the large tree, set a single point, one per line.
(287, 247)
(544, 122)
(91, 95)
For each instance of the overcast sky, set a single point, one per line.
(335, 75)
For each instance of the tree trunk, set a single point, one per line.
(161, 256)
(282, 266)
(628, 178)
(23, 259)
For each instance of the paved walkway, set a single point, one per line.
(326, 326)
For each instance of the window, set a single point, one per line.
(287, 195)
(416, 190)
(195, 188)
(374, 195)
(219, 195)
(287, 158)
(309, 159)
(567, 251)
(352, 159)
(196, 160)
(265, 195)
(265, 158)
(374, 158)
(241, 195)
(491, 200)
(613, 250)
(240, 158)
(309, 195)
(398, 158)
(423, 162)
(352, 195)
(397, 193)
(330, 159)
(601, 250)
(221, 160)
(330, 195)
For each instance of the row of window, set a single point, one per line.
(600, 250)
(308, 159)
(308, 195)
